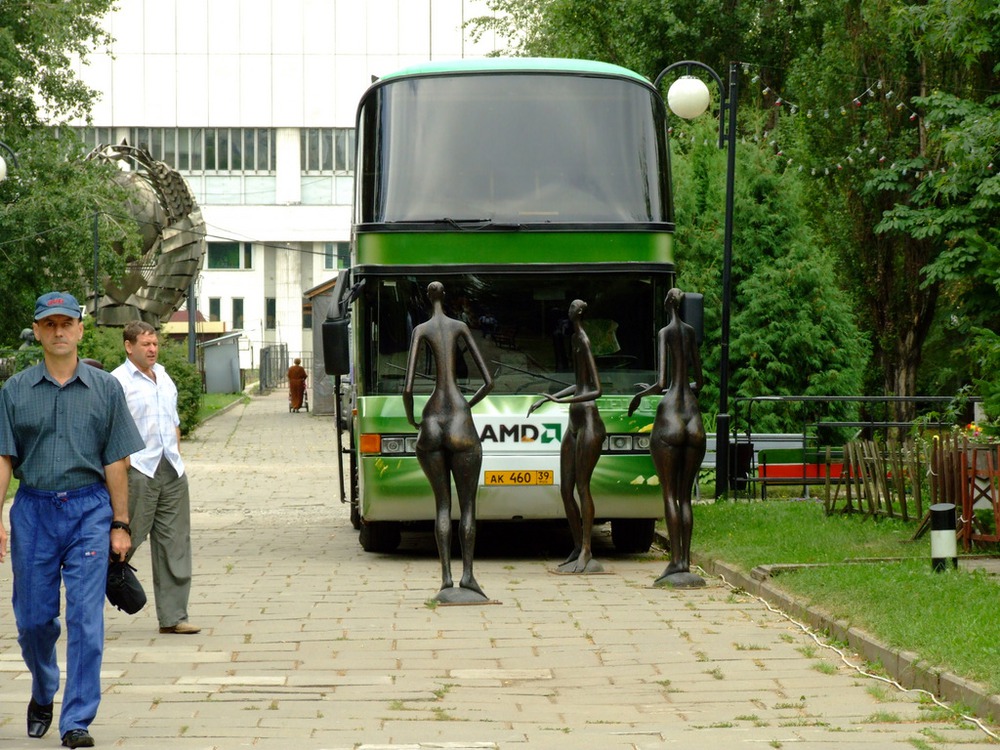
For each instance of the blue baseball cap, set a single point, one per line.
(57, 303)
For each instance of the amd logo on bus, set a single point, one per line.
(522, 433)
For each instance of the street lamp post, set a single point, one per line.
(689, 97)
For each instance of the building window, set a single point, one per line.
(94, 137)
(307, 315)
(270, 313)
(230, 256)
(237, 313)
(198, 149)
(327, 149)
(336, 255)
(214, 309)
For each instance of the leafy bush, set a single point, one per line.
(103, 344)
(173, 356)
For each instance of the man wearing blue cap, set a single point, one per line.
(66, 434)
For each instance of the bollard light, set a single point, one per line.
(944, 538)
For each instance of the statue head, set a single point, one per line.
(674, 298)
(435, 291)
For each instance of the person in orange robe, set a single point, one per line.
(296, 384)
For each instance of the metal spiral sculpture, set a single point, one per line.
(173, 241)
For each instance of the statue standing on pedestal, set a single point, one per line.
(447, 442)
(581, 444)
(677, 442)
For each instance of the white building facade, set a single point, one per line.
(253, 101)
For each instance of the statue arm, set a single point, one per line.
(480, 363)
(661, 375)
(696, 371)
(411, 371)
(553, 397)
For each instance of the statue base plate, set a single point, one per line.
(459, 595)
(685, 580)
(569, 568)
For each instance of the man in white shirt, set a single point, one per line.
(159, 504)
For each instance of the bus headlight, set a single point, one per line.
(626, 443)
(620, 443)
(393, 444)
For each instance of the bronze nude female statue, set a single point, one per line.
(677, 442)
(447, 442)
(581, 445)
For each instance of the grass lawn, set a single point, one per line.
(951, 619)
(212, 402)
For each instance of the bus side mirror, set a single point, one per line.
(336, 346)
(693, 313)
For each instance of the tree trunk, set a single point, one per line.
(897, 306)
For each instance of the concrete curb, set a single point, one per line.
(905, 667)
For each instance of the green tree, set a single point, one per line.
(50, 197)
(793, 328)
(48, 207)
(643, 36)
(912, 219)
(39, 42)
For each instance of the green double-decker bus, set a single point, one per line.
(521, 185)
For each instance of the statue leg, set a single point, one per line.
(567, 481)
(665, 459)
(587, 452)
(465, 466)
(436, 469)
(691, 464)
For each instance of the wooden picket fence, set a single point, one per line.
(882, 480)
(967, 475)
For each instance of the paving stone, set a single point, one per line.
(310, 643)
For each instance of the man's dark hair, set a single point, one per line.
(134, 329)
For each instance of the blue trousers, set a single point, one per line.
(62, 535)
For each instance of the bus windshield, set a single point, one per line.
(518, 148)
(520, 325)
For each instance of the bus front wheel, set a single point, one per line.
(632, 535)
(379, 536)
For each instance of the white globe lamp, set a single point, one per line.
(688, 97)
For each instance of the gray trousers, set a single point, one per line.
(161, 509)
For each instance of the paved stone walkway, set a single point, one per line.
(311, 643)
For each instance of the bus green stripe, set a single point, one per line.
(436, 248)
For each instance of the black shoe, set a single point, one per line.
(77, 738)
(39, 719)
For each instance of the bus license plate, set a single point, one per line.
(517, 478)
